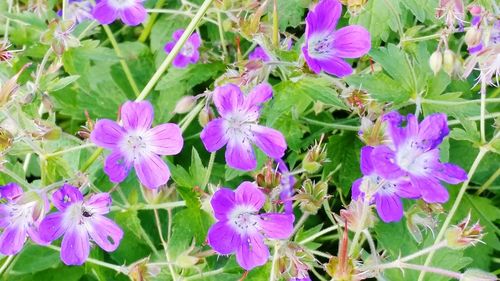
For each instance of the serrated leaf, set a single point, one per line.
(378, 19)
(380, 87)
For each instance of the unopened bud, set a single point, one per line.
(477, 275)
(448, 61)
(311, 196)
(473, 37)
(318, 107)
(206, 115)
(436, 61)
(475, 10)
(315, 157)
(268, 178)
(46, 130)
(185, 104)
(6, 139)
(352, 215)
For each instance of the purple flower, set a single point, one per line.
(237, 127)
(287, 183)
(326, 47)
(240, 227)
(259, 54)
(78, 219)
(78, 10)
(388, 193)
(415, 155)
(131, 12)
(135, 143)
(19, 218)
(189, 52)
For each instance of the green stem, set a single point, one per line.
(92, 159)
(444, 102)
(276, 31)
(203, 275)
(209, 170)
(165, 247)
(149, 25)
(476, 118)
(64, 8)
(13, 175)
(124, 64)
(167, 205)
(6, 263)
(273, 264)
(180, 13)
(221, 35)
(331, 125)
(483, 112)
(489, 182)
(454, 208)
(186, 121)
(177, 47)
(319, 234)
(74, 148)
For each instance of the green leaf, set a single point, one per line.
(422, 9)
(378, 18)
(59, 84)
(133, 245)
(54, 169)
(290, 12)
(394, 61)
(35, 258)
(187, 225)
(380, 86)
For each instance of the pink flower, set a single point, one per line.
(131, 12)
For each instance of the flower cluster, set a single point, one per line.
(408, 167)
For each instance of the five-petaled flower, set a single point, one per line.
(259, 54)
(20, 217)
(131, 12)
(189, 52)
(77, 219)
(240, 227)
(325, 48)
(237, 127)
(135, 143)
(78, 10)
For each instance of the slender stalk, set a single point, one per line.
(64, 8)
(489, 182)
(181, 13)
(167, 205)
(209, 169)
(444, 102)
(165, 247)
(221, 34)
(476, 118)
(74, 148)
(16, 178)
(273, 264)
(483, 112)
(151, 21)
(178, 46)
(123, 63)
(454, 208)
(92, 159)
(203, 275)
(331, 125)
(435, 270)
(186, 121)
(422, 38)
(301, 221)
(319, 234)
(276, 31)
(364, 213)
(6, 263)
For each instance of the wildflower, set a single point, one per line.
(76, 220)
(386, 193)
(414, 154)
(59, 36)
(259, 54)
(20, 216)
(5, 54)
(240, 227)
(326, 47)
(131, 12)
(78, 10)
(135, 143)
(287, 183)
(237, 127)
(312, 196)
(189, 52)
(452, 11)
(294, 261)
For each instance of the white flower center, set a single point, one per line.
(134, 146)
(22, 215)
(244, 219)
(77, 214)
(121, 4)
(320, 46)
(413, 158)
(384, 187)
(187, 50)
(239, 126)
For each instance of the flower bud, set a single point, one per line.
(460, 236)
(448, 61)
(315, 157)
(477, 275)
(142, 270)
(185, 104)
(311, 196)
(420, 218)
(353, 216)
(268, 178)
(10, 87)
(46, 130)
(206, 115)
(185, 260)
(436, 61)
(473, 37)
(372, 133)
(318, 107)
(293, 261)
(6, 139)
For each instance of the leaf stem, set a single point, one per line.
(331, 125)
(165, 247)
(151, 21)
(123, 63)
(319, 234)
(209, 169)
(221, 34)
(203, 275)
(6, 264)
(79, 147)
(483, 112)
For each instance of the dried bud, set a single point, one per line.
(46, 130)
(354, 6)
(477, 275)
(186, 260)
(372, 133)
(10, 87)
(315, 157)
(473, 36)
(268, 178)
(185, 104)
(460, 236)
(59, 37)
(142, 270)
(353, 215)
(436, 61)
(293, 262)
(5, 54)
(206, 115)
(6, 139)
(420, 218)
(311, 196)
(448, 61)
(357, 99)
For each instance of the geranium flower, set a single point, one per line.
(237, 127)
(135, 143)
(189, 52)
(19, 218)
(131, 12)
(78, 10)
(259, 54)
(415, 154)
(78, 219)
(387, 196)
(240, 227)
(325, 48)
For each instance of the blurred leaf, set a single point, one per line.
(378, 18)
(34, 258)
(422, 9)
